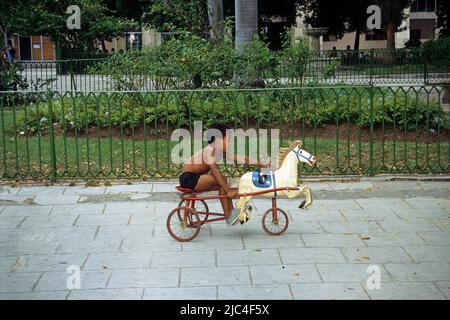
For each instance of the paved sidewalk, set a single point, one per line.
(397, 232)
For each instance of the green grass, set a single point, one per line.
(30, 158)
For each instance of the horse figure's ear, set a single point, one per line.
(295, 143)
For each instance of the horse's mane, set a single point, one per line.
(285, 151)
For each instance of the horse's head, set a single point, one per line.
(303, 155)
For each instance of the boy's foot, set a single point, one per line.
(234, 217)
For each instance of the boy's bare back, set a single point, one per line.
(201, 161)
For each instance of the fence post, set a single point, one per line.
(371, 168)
(371, 67)
(51, 138)
(425, 77)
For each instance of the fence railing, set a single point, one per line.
(364, 67)
(363, 130)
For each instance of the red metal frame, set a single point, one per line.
(191, 197)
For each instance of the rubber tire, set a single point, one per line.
(176, 212)
(269, 212)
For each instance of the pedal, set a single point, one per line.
(302, 205)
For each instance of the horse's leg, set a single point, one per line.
(243, 201)
(244, 215)
(302, 190)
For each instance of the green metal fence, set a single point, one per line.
(364, 130)
(363, 67)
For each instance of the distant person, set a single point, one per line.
(334, 52)
(347, 56)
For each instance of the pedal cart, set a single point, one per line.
(184, 222)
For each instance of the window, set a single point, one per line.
(133, 40)
(376, 35)
(415, 34)
(423, 6)
(413, 7)
(425, 26)
(330, 37)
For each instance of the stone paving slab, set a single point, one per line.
(275, 292)
(428, 253)
(49, 295)
(142, 278)
(28, 247)
(84, 190)
(441, 238)
(54, 281)
(18, 282)
(406, 290)
(194, 293)
(444, 287)
(116, 235)
(377, 255)
(332, 240)
(329, 291)
(422, 271)
(284, 274)
(63, 234)
(184, 259)
(340, 272)
(82, 245)
(45, 263)
(24, 211)
(214, 276)
(109, 261)
(6, 263)
(249, 257)
(106, 294)
(78, 209)
(311, 255)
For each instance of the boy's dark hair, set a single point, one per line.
(221, 127)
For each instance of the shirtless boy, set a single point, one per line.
(201, 171)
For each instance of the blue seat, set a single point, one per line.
(261, 180)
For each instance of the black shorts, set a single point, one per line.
(189, 180)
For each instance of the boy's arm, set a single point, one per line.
(219, 177)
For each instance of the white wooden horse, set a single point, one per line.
(285, 176)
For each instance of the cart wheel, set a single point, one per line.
(201, 207)
(275, 224)
(183, 224)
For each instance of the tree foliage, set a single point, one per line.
(49, 17)
(344, 16)
(443, 17)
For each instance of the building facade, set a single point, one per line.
(420, 25)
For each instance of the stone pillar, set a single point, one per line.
(150, 38)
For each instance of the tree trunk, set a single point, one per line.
(4, 36)
(390, 35)
(356, 45)
(215, 16)
(246, 15)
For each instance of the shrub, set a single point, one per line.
(314, 106)
(189, 61)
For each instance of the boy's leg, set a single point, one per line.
(207, 182)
